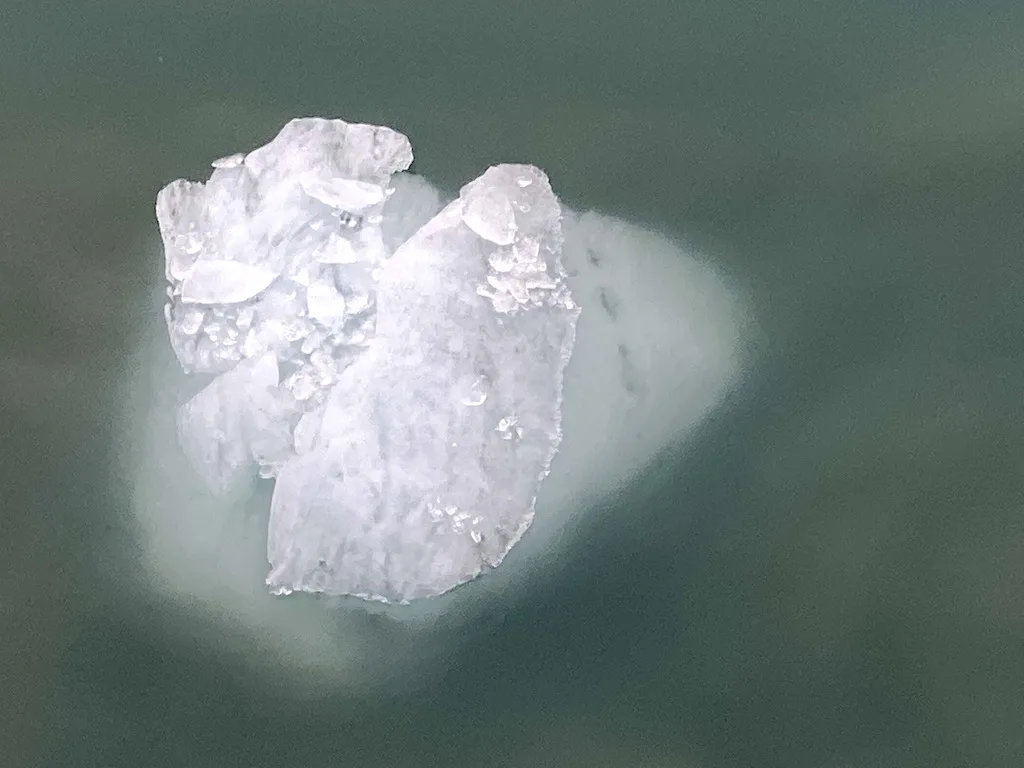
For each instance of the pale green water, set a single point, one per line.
(836, 571)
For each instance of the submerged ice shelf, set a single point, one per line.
(403, 385)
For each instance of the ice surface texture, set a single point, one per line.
(403, 387)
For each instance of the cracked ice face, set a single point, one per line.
(408, 402)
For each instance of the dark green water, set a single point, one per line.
(829, 574)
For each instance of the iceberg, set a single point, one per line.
(402, 383)
(662, 338)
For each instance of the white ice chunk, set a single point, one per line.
(489, 213)
(331, 149)
(249, 242)
(410, 426)
(399, 365)
(345, 194)
(224, 282)
(231, 161)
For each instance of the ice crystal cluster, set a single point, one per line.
(404, 388)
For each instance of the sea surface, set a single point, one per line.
(828, 573)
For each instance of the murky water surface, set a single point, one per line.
(829, 572)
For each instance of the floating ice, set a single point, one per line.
(660, 342)
(377, 387)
